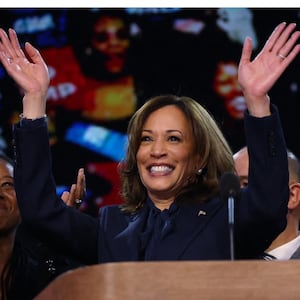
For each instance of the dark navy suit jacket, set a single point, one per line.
(200, 231)
(296, 254)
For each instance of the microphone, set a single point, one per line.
(229, 190)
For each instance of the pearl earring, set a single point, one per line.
(199, 172)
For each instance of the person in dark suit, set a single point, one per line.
(287, 244)
(27, 264)
(175, 158)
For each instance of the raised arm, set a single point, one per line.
(267, 194)
(28, 69)
(257, 76)
(43, 212)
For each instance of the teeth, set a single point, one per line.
(160, 169)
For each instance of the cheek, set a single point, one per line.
(99, 46)
(140, 162)
(13, 200)
(188, 164)
(125, 44)
(12, 220)
(16, 218)
(16, 212)
(141, 154)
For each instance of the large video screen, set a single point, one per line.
(104, 63)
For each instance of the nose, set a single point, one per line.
(158, 149)
(113, 38)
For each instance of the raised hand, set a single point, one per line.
(257, 77)
(77, 192)
(28, 70)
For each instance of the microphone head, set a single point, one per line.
(229, 185)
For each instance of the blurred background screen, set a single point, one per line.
(104, 63)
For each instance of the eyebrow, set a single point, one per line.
(168, 131)
(8, 176)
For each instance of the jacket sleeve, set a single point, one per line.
(41, 209)
(261, 211)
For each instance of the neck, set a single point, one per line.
(161, 201)
(290, 233)
(162, 205)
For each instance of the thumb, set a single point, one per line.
(34, 54)
(246, 51)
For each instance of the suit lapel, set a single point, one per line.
(129, 239)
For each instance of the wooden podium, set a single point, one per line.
(187, 280)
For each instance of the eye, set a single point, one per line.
(7, 185)
(244, 183)
(122, 34)
(174, 138)
(146, 138)
(101, 36)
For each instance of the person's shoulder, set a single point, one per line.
(112, 209)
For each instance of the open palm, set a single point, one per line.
(259, 75)
(27, 67)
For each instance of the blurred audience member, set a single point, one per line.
(27, 264)
(287, 244)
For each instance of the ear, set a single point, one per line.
(294, 200)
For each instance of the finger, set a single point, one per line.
(15, 43)
(6, 46)
(65, 197)
(34, 54)
(246, 51)
(273, 37)
(11, 52)
(289, 45)
(291, 56)
(72, 196)
(80, 185)
(284, 37)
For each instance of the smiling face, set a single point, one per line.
(9, 210)
(165, 157)
(110, 37)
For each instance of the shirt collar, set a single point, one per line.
(285, 251)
